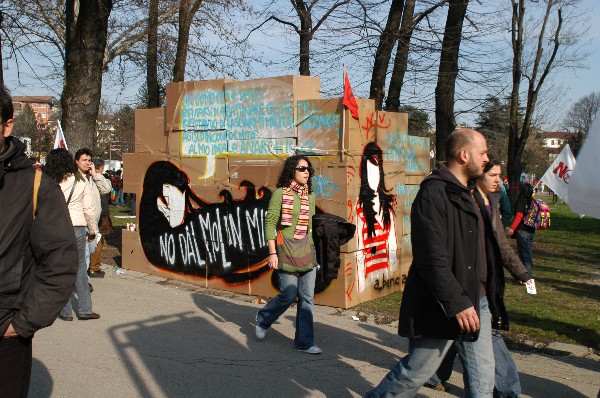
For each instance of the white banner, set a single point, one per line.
(60, 141)
(558, 176)
(584, 189)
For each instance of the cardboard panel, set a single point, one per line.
(260, 172)
(319, 126)
(359, 133)
(150, 136)
(203, 143)
(134, 169)
(196, 105)
(263, 148)
(405, 196)
(204, 171)
(174, 143)
(260, 109)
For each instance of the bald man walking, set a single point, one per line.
(445, 296)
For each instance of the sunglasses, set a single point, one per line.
(302, 169)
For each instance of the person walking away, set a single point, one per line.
(38, 256)
(499, 254)
(445, 297)
(101, 182)
(523, 233)
(82, 209)
(288, 229)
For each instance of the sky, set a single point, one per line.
(573, 83)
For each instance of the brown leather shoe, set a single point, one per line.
(95, 274)
(85, 317)
(65, 318)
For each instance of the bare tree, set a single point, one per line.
(152, 57)
(383, 54)
(187, 10)
(305, 11)
(407, 27)
(448, 70)
(84, 56)
(536, 75)
(582, 113)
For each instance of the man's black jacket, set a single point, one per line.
(38, 257)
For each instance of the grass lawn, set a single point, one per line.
(566, 267)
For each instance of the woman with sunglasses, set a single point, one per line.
(288, 229)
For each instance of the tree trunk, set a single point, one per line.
(81, 94)
(152, 57)
(1, 63)
(384, 52)
(392, 102)
(305, 37)
(186, 15)
(444, 91)
(519, 131)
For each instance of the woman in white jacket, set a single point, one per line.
(60, 166)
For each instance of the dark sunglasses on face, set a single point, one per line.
(302, 169)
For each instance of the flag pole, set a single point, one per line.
(343, 117)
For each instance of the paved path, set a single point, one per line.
(164, 339)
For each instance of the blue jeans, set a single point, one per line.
(119, 198)
(292, 286)
(425, 356)
(506, 384)
(507, 377)
(81, 282)
(525, 247)
(477, 357)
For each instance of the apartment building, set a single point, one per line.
(45, 108)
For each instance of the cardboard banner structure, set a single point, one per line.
(558, 175)
(204, 169)
(584, 187)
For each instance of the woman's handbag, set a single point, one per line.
(105, 225)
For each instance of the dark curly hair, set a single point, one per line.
(525, 193)
(59, 164)
(289, 170)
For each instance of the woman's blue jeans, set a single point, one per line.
(525, 247)
(81, 282)
(291, 286)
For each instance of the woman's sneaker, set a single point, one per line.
(260, 332)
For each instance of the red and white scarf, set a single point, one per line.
(287, 208)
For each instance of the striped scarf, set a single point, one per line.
(287, 208)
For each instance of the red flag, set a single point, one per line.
(349, 100)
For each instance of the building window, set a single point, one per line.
(43, 115)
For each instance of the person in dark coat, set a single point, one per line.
(445, 295)
(499, 254)
(38, 256)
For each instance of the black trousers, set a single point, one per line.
(15, 367)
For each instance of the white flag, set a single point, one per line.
(557, 177)
(60, 141)
(584, 190)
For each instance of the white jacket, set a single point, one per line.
(82, 206)
(99, 185)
